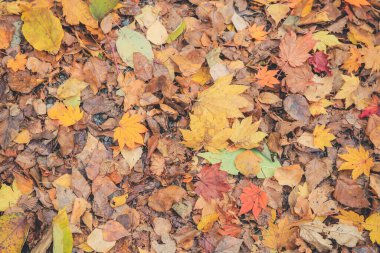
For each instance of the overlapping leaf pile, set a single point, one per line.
(189, 126)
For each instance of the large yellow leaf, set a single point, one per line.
(372, 224)
(277, 235)
(77, 11)
(9, 196)
(222, 98)
(14, 229)
(357, 160)
(62, 236)
(351, 83)
(208, 131)
(42, 29)
(324, 40)
(322, 137)
(245, 134)
(129, 131)
(67, 116)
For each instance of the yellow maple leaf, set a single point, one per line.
(207, 221)
(372, 224)
(357, 160)
(371, 57)
(129, 131)
(42, 29)
(257, 32)
(208, 131)
(357, 3)
(245, 134)
(67, 116)
(222, 99)
(277, 235)
(353, 62)
(324, 40)
(351, 84)
(351, 218)
(77, 11)
(319, 107)
(322, 137)
(18, 63)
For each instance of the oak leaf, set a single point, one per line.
(294, 51)
(67, 116)
(267, 77)
(222, 98)
(212, 182)
(357, 160)
(372, 224)
(18, 63)
(129, 131)
(42, 29)
(245, 134)
(253, 199)
(322, 137)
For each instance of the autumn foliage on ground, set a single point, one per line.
(167, 126)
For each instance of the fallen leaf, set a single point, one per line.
(320, 62)
(357, 3)
(62, 237)
(76, 12)
(277, 236)
(350, 193)
(42, 29)
(97, 243)
(268, 98)
(267, 77)
(229, 244)
(247, 163)
(9, 195)
(176, 33)
(14, 230)
(67, 116)
(297, 107)
(357, 160)
(311, 232)
(157, 33)
(278, 11)
(163, 199)
(351, 218)
(241, 139)
(99, 8)
(212, 182)
(207, 221)
(225, 158)
(23, 137)
(113, 231)
(320, 202)
(130, 42)
(289, 175)
(353, 62)
(253, 199)
(372, 224)
(18, 63)
(324, 40)
(70, 91)
(322, 137)
(129, 131)
(370, 57)
(257, 32)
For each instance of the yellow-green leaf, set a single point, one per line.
(177, 32)
(14, 230)
(9, 196)
(62, 237)
(324, 40)
(99, 8)
(42, 29)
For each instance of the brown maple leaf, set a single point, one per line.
(213, 182)
(294, 51)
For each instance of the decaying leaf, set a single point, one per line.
(163, 199)
(14, 230)
(213, 182)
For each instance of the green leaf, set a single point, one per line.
(177, 32)
(100, 8)
(225, 157)
(268, 166)
(130, 42)
(9, 196)
(62, 237)
(14, 230)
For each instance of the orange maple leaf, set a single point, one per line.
(18, 63)
(67, 116)
(357, 3)
(267, 77)
(257, 32)
(294, 51)
(353, 62)
(253, 198)
(129, 131)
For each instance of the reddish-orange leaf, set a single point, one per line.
(373, 108)
(253, 198)
(267, 77)
(213, 182)
(357, 3)
(294, 51)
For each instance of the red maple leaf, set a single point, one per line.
(212, 182)
(253, 198)
(320, 62)
(373, 108)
